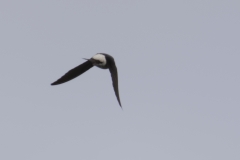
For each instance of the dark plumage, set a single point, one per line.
(100, 60)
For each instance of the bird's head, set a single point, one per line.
(98, 60)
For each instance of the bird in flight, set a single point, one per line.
(101, 60)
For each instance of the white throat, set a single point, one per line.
(100, 58)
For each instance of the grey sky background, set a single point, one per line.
(178, 64)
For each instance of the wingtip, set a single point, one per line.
(54, 83)
(120, 105)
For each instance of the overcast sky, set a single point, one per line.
(179, 81)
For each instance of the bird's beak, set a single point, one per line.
(91, 60)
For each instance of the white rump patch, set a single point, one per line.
(100, 58)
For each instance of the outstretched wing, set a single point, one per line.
(114, 74)
(73, 73)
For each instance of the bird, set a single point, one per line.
(101, 60)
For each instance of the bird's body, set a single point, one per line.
(101, 60)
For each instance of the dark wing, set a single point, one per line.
(73, 73)
(114, 74)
